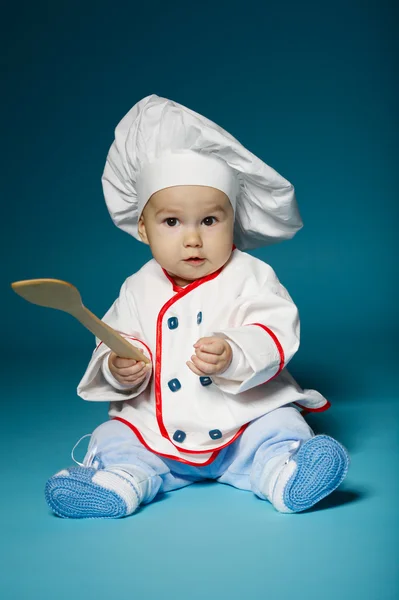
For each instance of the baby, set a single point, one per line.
(215, 400)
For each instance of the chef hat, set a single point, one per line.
(160, 144)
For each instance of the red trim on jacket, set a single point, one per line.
(211, 459)
(279, 348)
(306, 409)
(191, 286)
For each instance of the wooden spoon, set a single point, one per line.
(55, 293)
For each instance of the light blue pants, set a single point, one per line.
(240, 464)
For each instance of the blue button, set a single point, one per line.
(199, 318)
(205, 380)
(174, 385)
(215, 434)
(179, 436)
(173, 323)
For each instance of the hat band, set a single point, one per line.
(185, 168)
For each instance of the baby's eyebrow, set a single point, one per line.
(216, 208)
(167, 210)
(210, 210)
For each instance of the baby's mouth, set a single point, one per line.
(195, 260)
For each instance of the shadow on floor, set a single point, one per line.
(340, 498)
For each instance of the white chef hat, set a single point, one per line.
(160, 144)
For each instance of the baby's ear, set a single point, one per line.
(142, 231)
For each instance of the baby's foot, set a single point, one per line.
(315, 470)
(85, 492)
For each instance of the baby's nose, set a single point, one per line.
(192, 238)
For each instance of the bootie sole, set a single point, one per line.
(322, 464)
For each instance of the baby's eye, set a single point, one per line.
(209, 221)
(171, 222)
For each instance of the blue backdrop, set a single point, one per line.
(312, 92)
(310, 88)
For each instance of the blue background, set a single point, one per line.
(311, 89)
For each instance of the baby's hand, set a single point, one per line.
(212, 356)
(127, 370)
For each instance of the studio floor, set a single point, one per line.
(204, 541)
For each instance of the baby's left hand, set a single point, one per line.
(212, 356)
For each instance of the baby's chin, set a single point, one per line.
(186, 277)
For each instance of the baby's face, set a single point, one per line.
(187, 221)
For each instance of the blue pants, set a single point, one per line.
(240, 464)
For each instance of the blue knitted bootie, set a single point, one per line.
(297, 481)
(89, 493)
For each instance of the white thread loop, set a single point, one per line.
(74, 448)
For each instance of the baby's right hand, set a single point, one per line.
(127, 370)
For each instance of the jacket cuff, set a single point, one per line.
(239, 368)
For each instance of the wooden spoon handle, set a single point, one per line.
(109, 336)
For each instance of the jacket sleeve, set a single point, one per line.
(264, 336)
(97, 382)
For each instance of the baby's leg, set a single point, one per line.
(118, 474)
(280, 459)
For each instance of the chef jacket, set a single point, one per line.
(174, 412)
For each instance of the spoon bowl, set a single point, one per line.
(55, 293)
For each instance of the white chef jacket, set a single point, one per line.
(175, 413)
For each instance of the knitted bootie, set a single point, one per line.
(86, 492)
(297, 481)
